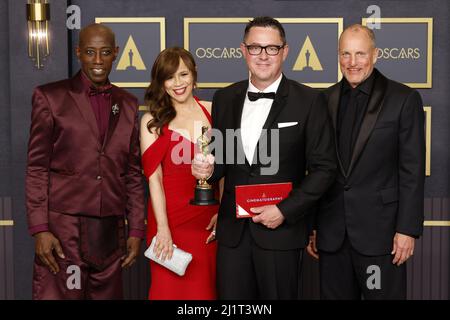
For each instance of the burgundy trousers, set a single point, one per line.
(77, 277)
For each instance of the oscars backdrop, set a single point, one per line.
(414, 49)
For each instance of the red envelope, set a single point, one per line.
(258, 195)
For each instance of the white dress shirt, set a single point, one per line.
(254, 115)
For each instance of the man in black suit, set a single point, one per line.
(368, 220)
(260, 257)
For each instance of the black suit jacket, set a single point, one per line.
(306, 146)
(382, 192)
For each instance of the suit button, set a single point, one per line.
(252, 174)
(102, 153)
(99, 177)
(347, 187)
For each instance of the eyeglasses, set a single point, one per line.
(271, 50)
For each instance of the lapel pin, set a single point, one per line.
(115, 109)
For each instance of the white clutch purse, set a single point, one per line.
(178, 263)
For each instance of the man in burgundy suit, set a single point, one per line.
(83, 177)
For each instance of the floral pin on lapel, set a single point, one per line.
(115, 109)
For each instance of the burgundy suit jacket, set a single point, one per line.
(69, 170)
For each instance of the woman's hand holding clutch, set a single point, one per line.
(164, 245)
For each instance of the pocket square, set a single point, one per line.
(286, 124)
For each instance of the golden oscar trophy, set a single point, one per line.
(204, 192)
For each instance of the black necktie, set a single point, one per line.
(253, 96)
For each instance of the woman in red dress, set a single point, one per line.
(168, 134)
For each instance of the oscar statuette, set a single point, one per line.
(204, 192)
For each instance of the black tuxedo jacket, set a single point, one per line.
(306, 146)
(382, 192)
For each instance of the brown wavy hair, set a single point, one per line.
(158, 101)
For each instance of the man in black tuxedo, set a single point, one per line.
(260, 257)
(368, 220)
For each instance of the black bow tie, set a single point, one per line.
(253, 96)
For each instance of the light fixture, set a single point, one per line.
(38, 16)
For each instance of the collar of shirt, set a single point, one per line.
(254, 115)
(364, 87)
(87, 84)
(272, 88)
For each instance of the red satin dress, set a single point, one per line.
(187, 222)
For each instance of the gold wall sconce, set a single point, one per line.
(38, 16)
